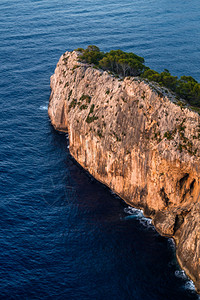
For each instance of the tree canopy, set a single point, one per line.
(129, 64)
(117, 61)
(186, 87)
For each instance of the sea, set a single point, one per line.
(63, 235)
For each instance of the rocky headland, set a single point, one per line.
(131, 135)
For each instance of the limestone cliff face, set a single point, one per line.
(132, 136)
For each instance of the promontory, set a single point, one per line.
(135, 137)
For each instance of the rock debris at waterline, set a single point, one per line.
(132, 136)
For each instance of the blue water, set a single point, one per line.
(62, 234)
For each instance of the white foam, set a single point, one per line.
(133, 211)
(180, 274)
(43, 107)
(189, 285)
(136, 213)
(115, 195)
(146, 222)
(171, 243)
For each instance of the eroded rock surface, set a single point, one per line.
(132, 136)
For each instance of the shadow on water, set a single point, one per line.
(117, 246)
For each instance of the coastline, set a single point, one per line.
(169, 214)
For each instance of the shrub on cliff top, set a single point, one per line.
(92, 55)
(130, 64)
(186, 87)
(116, 61)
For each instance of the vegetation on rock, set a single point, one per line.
(130, 64)
(116, 61)
(186, 87)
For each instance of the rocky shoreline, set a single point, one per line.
(131, 135)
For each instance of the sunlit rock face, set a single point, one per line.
(132, 136)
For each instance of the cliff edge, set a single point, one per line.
(132, 136)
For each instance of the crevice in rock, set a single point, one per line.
(179, 219)
(164, 196)
(192, 186)
(143, 193)
(148, 211)
(183, 180)
(62, 118)
(184, 195)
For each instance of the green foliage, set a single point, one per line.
(197, 109)
(91, 109)
(84, 106)
(75, 67)
(66, 84)
(91, 119)
(121, 63)
(79, 49)
(73, 104)
(186, 87)
(168, 135)
(180, 147)
(92, 55)
(85, 97)
(181, 104)
(189, 89)
(116, 61)
(99, 133)
(65, 59)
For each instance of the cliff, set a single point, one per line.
(132, 136)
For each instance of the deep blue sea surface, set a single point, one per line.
(62, 234)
